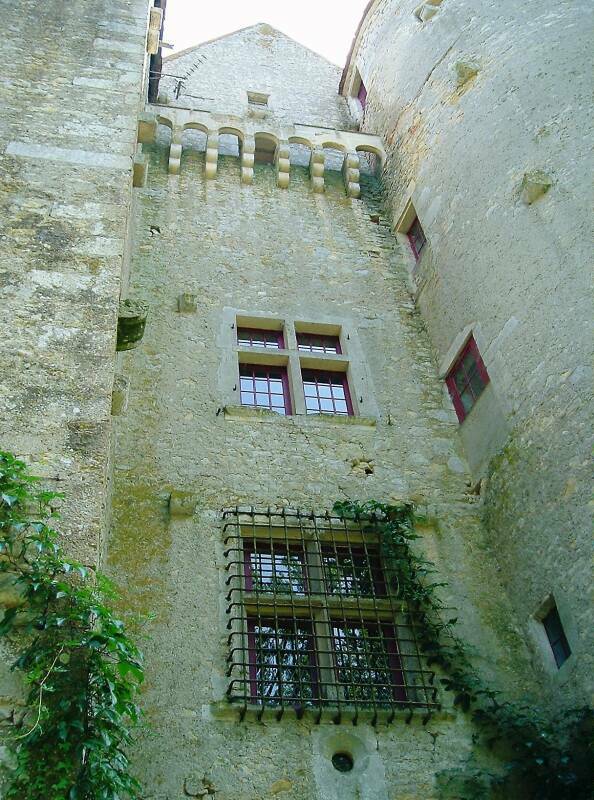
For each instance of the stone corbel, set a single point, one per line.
(351, 174)
(139, 168)
(283, 165)
(131, 323)
(212, 155)
(316, 170)
(248, 149)
(147, 128)
(175, 151)
(154, 30)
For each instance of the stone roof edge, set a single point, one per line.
(247, 28)
(355, 42)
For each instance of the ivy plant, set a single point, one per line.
(81, 670)
(542, 758)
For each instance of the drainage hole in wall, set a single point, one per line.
(343, 762)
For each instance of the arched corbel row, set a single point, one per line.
(316, 170)
(175, 151)
(248, 149)
(351, 174)
(283, 165)
(211, 157)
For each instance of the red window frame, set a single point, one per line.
(318, 343)
(416, 237)
(324, 381)
(296, 626)
(467, 379)
(275, 549)
(260, 337)
(363, 576)
(261, 377)
(359, 662)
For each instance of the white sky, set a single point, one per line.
(326, 26)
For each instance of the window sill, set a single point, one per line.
(236, 710)
(248, 413)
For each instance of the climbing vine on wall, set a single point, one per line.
(81, 670)
(541, 759)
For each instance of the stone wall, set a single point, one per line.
(185, 451)
(217, 76)
(71, 87)
(484, 108)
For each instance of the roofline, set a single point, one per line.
(354, 43)
(247, 28)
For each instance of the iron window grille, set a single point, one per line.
(263, 386)
(255, 337)
(416, 238)
(318, 343)
(316, 621)
(467, 379)
(326, 392)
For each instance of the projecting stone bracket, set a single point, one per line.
(187, 303)
(426, 10)
(181, 504)
(154, 30)
(534, 186)
(316, 170)
(119, 396)
(351, 175)
(248, 150)
(283, 165)
(139, 169)
(131, 323)
(147, 127)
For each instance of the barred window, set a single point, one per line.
(315, 618)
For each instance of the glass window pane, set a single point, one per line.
(261, 385)
(277, 400)
(326, 405)
(309, 389)
(247, 398)
(324, 391)
(262, 399)
(341, 406)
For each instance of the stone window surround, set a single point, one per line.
(540, 640)
(350, 361)
(470, 347)
(402, 231)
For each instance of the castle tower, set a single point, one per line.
(283, 368)
(484, 119)
(269, 288)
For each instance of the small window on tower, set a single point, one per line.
(556, 636)
(467, 379)
(265, 386)
(416, 238)
(326, 392)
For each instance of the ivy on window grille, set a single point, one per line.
(315, 618)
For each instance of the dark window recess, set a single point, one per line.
(316, 618)
(362, 95)
(255, 337)
(416, 238)
(265, 387)
(556, 636)
(318, 343)
(326, 392)
(467, 379)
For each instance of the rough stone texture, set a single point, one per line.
(70, 91)
(493, 157)
(287, 254)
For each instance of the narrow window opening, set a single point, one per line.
(416, 238)
(326, 393)
(556, 636)
(263, 386)
(467, 379)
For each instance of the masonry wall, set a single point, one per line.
(70, 92)
(217, 76)
(474, 104)
(285, 254)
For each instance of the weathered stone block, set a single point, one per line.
(187, 303)
(534, 186)
(131, 324)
